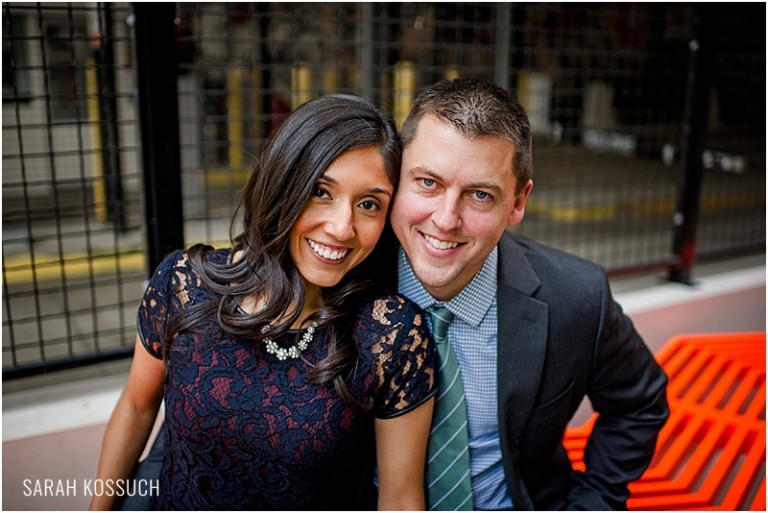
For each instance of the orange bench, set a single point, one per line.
(711, 453)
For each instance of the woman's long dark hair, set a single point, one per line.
(304, 145)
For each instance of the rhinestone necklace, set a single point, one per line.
(294, 351)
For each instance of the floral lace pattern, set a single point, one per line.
(247, 431)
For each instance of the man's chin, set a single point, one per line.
(435, 280)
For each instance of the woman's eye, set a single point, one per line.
(319, 192)
(370, 205)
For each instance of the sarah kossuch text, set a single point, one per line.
(91, 487)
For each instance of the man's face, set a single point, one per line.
(456, 197)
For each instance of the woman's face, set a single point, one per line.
(343, 219)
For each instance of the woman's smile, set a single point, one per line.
(326, 252)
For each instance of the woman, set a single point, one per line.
(283, 362)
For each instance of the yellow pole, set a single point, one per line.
(94, 120)
(301, 84)
(256, 99)
(235, 117)
(404, 87)
(329, 80)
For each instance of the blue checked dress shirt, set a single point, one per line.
(472, 335)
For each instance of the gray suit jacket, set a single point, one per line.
(561, 337)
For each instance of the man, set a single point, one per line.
(534, 330)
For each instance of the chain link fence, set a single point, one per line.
(609, 89)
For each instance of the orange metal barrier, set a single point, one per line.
(711, 453)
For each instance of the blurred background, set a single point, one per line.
(97, 186)
(128, 130)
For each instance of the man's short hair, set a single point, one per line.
(477, 108)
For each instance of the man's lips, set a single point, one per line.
(439, 244)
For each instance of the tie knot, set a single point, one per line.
(441, 317)
(442, 312)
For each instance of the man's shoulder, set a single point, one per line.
(546, 258)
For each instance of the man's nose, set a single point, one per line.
(446, 215)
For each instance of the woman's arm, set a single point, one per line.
(131, 422)
(401, 451)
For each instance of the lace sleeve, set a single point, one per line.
(154, 308)
(405, 356)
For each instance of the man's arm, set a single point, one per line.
(628, 391)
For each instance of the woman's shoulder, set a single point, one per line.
(391, 316)
(397, 341)
(390, 304)
(176, 273)
(180, 259)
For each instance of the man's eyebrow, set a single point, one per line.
(486, 185)
(422, 169)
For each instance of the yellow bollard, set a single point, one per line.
(256, 99)
(235, 132)
(301, 84)
(404, 88)
(329, 81)
(94, 120)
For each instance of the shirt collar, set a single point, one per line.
(470, 305)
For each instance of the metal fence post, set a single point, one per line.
(501, 50)
(694, 128)
(108, 119)
(159, 117)
(365, 55)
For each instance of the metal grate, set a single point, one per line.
(605, 85)
(72, 269)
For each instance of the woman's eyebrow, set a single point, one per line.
(372, 190)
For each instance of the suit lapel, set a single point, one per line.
(522, 338)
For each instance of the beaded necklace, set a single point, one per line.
(294, 351)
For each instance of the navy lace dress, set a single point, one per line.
(247, 431)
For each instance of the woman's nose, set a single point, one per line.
(341, 223)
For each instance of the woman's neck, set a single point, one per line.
(313, 301)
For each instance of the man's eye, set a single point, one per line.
(427, 182)
(482, 196)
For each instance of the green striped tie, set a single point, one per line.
(448, 480)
